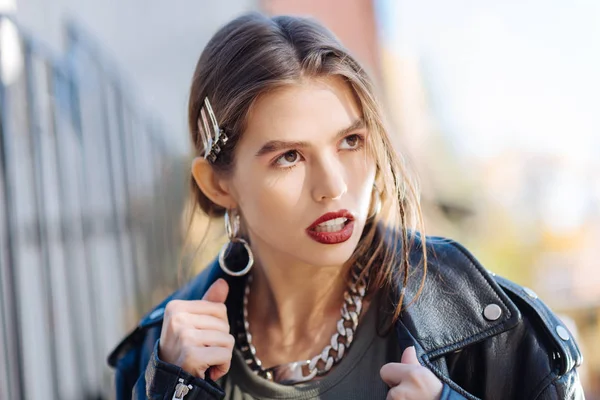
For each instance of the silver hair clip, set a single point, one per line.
(213, 138)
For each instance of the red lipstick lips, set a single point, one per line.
(335, 237)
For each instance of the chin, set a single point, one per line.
(328, 255)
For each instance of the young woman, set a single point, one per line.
(325, 289)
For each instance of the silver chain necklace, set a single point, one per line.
(305, 370)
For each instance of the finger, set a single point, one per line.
(199, 307)
(197, 338)
(199, 359)
(184, 320)
(394, 373)
(217, 292)
(410, 356)
(219, 371)
(396, 393)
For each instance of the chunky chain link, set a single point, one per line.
(302, 371)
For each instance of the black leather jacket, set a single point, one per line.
(482, 335)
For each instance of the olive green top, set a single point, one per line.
(356, 377)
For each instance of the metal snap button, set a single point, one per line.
(530, 293)
(562, 333)
(157, 313)
(492, 312)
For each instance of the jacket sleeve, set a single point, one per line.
(162, 380)
(562, 381)
(140, 374)
(564, 387)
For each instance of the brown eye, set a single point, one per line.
(288, 159)
(352, 142)
(290, 156)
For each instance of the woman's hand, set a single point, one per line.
(409, 380)
(195, 334)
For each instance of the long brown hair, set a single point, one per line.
(254, 54)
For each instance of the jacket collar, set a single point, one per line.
(460, 303)
(449, 314)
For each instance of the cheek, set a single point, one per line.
(265, 198)
(360, 182)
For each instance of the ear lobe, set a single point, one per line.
(210, 184)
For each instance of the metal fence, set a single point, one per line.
(88, 222)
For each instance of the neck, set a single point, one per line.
(298, 296)
(291, 302)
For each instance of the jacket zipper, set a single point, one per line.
(181, 390)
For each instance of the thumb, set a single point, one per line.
(217, 292)
(410, 356)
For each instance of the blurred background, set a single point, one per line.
(495, 105)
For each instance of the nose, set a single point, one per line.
(329, 181)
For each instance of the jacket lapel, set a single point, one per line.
(460, 303)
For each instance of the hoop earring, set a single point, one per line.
(232, 227)
(377, 206)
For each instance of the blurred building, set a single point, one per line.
(353, 22)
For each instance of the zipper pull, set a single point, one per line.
(181, 390)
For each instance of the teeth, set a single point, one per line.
(332, 225)
(335, 221)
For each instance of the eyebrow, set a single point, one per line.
(279, 145)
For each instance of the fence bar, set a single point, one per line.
(52, 230)
(54, 80)
(11, 321)
(41, 237)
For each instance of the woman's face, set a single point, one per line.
(303, 177)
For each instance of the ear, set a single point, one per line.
(213, 187)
